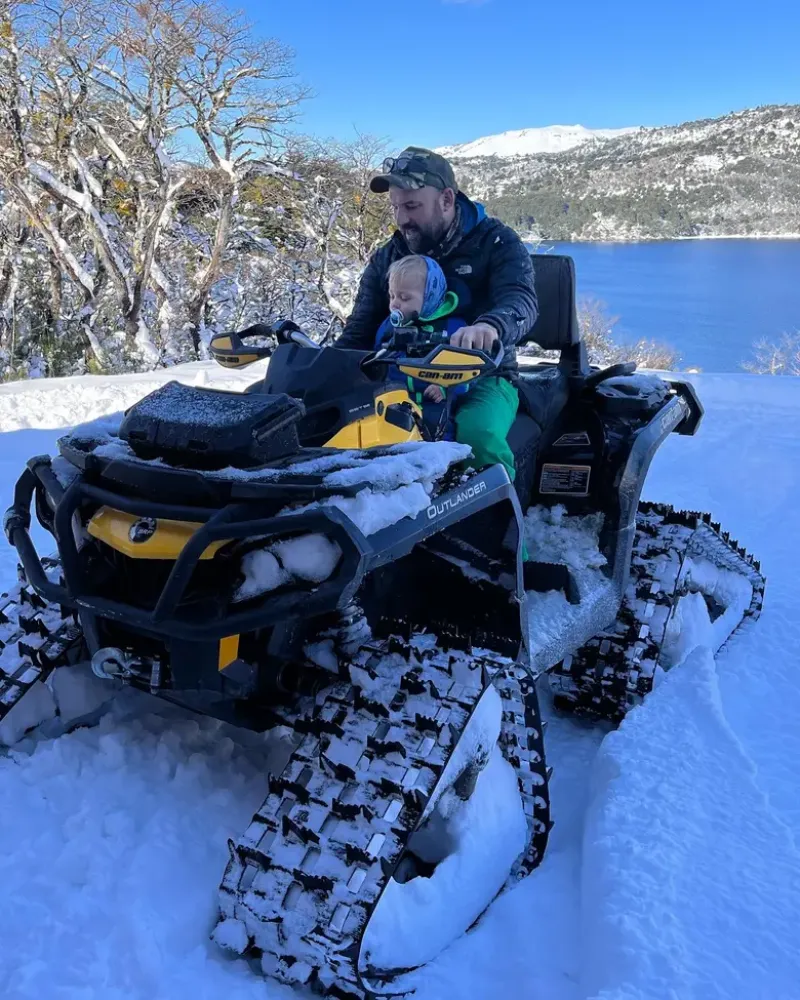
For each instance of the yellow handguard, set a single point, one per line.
(447, 365)
(230, 351)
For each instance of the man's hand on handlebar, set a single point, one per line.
(480, 337)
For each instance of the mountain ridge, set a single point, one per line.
(532, 141)
(736, 175)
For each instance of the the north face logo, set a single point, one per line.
(464, 269)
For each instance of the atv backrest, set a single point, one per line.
(557, 325)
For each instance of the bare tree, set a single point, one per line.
(239, 96)
(13, 235)
(40, 98)
(775, 357)
(340, 221)
(369, 216)
(97, 97)
(597, 332)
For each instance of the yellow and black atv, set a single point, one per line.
(313, 554)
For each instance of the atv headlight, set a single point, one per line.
(303, 559)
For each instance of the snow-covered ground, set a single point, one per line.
(673, 870)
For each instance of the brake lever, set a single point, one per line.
(303, 340)
(288, 332)
(375, 358)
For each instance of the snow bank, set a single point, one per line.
(417, 919)
(691, 625)
(691, 882)
(63, 402)
(112, 845)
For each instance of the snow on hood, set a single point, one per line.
(397, 465)
(398, 481)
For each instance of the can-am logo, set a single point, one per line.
(445, 376)
(450, 503)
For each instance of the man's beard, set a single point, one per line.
(423, 240)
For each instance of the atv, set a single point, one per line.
(314, 555)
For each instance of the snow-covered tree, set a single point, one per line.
(775, 357)
(338, 222)
(103, 107)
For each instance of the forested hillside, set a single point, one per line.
(736, 175)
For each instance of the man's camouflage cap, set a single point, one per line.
(415, 168)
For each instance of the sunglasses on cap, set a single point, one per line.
(412, 165)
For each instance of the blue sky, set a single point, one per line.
(435, 72)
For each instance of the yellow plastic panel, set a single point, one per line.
(374, 430)
(167, 541)
(228, 650)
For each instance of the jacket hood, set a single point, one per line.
(446, 307)
(472, 213)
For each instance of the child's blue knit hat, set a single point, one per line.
(435, 287)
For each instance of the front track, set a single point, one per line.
(305, 878)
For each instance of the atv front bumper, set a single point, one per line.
(172, 618)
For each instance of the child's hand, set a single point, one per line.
(434, 394)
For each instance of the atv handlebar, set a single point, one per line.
(230, 349)
(290, 333)
(415, 342)
(411, 344)
(420, 348)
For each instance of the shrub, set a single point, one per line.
(775, 357)
(597, 331)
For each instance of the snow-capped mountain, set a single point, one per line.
(729, 176)
(531, 141)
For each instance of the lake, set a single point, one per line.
(710, 299)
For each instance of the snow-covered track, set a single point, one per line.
(307, 876)
(617, 668)
(35, 638)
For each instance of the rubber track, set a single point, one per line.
(365, 766)
(35, 638)
(616, 669)
(311, 867)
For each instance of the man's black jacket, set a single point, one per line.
(486, 265)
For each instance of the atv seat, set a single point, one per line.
(543, 397)
(544, 393)
(556, 327)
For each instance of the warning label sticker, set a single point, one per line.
(571, 480)
(572, 438)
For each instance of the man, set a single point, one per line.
(485, 264)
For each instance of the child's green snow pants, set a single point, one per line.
(483, 420)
